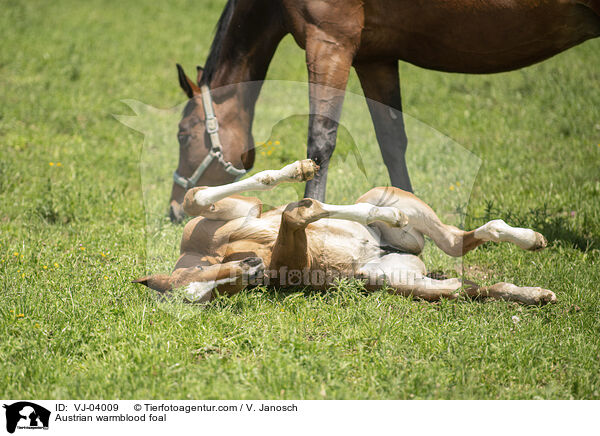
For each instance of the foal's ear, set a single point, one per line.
(189, 87)
(200, 71)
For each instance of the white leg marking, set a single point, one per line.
(298, 171)
(365, 213)
(522, 294)
(201, 292)
(499, 231)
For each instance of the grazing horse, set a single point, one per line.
(468, 36)
(232, 243)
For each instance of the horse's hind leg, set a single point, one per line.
(380, 83)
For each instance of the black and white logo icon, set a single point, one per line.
(26, 415)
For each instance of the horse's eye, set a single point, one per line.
(183, 138)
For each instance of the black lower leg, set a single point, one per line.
(322, 135)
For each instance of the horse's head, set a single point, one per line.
(215, 143)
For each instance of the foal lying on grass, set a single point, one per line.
(230, 243)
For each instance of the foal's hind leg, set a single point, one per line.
(405, 274)
(451, 240)
(509, 292)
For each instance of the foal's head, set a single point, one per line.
(205, 159)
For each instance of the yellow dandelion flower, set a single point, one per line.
(45, 267)
(282, 310)
(37, 326)
(51, 164)
(58, 164)
(269, 153)
(22, 256)
(23, 275)
(277, 142)
(452, 187)
(262, 153)
(21, 315)
(270, 143)
(82, 248)
(16, 254)
(300, 319)
(312, 319)
(103, 255)
(12, 310)
(55, 265)
(105, 278)
(457, 184)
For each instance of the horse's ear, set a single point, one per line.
(189, 87)
(200, 72)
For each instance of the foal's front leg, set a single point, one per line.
(203, 197)
(199, 283)
(291, 248)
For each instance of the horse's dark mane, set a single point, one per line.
(215, 47)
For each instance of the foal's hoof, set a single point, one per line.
(542, 296)
(534, 295)
(548, 296)
(307, 170)
(540, 242)
(402, 220)
(253, 269)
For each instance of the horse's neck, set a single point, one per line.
(245, 50)
(249, 43)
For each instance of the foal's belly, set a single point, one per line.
(474, 36)
(340, 245)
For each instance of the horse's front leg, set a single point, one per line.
(328, 61)
(381, 86)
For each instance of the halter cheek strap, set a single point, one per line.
(216, 149)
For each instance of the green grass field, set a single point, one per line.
(73, 221)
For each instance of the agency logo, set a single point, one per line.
(26, 415)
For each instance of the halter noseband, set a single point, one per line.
(216, 149)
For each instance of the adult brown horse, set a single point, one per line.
(467, 36)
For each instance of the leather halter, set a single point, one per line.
(216, 149)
